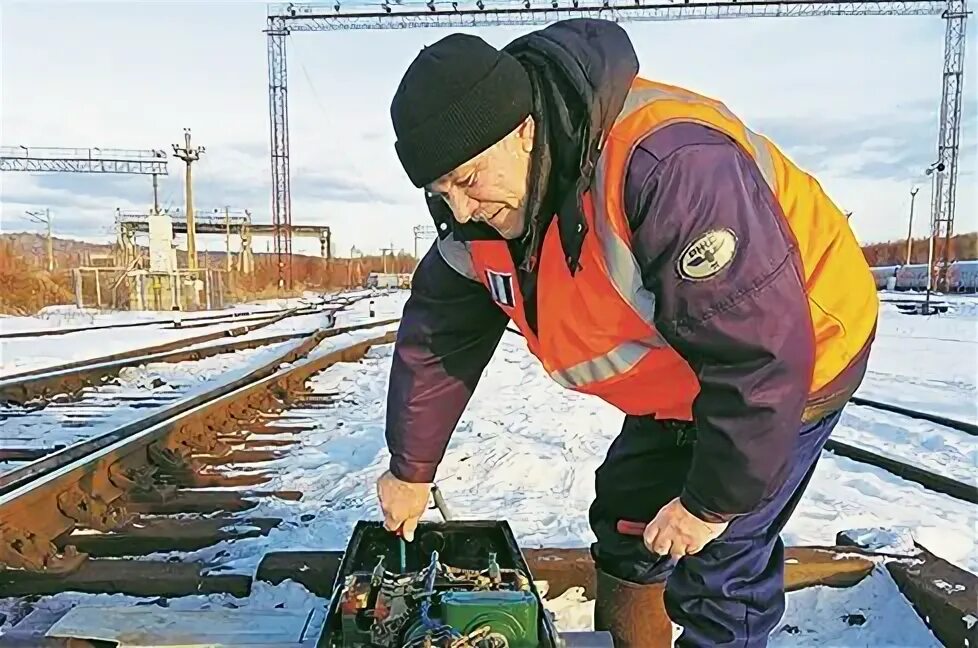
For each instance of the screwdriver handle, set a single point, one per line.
(628, 527)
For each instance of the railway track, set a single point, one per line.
(178, 320)
(69, 378)
(112, 495)
(91, 399)
(909, 453)
(145, 512)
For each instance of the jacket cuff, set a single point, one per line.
(411, 472)
(696, 507)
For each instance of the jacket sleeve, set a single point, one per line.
(745, 330)
(449, 330)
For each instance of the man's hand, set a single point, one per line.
(677, 532)
(402, 503)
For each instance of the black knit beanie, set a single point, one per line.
(458, 97)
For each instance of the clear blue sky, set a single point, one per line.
(854, 100)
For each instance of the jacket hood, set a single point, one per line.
(581, 71)
(589, 65)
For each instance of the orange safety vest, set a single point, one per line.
(596, 331)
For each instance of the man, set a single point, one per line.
(656, 254)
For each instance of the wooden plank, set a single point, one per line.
(804, 567)
(132, 577)
(149, 536)
(202, 501)
(944, 596)
(573, 567)
(316, 570)
(25, 454)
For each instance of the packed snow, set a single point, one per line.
(525, 451)
(927, 363)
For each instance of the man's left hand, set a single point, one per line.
(677, 532)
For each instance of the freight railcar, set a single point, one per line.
(962, 277)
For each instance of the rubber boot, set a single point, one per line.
(634, 614)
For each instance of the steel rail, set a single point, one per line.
(23, 476)
(905, 470)
(158, 322)
(961, 426)
(135, 353)
(9, 390)
(330, 300)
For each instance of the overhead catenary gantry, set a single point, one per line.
(82, 160)
(301, 17)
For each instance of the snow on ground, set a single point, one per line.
(934, 447)
(525, 451)
(926, 363)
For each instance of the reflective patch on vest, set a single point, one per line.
(706, 256)
(501, 288)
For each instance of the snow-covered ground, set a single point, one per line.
(525, 451)
(29, 353)
(927, 363)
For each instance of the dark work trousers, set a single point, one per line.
(731, 593)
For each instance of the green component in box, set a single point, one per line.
(513, 615)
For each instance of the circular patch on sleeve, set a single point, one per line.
(708, 254)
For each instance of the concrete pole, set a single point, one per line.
(913, 194)
(189, 155)
(79, 301)
(191, 225)
(47, 213)
(227, 239)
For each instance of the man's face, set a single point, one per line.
(492, 187)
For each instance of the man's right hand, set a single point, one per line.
(402, 503)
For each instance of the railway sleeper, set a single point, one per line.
(174, 500)
(197, 436)
(240, 456)
(130, 577)
(146, 535)
(944, 595)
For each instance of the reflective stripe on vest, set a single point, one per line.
(616, 362)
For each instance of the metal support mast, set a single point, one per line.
(279, 117)
(412, 14)
(950, 133)
(33, 159)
